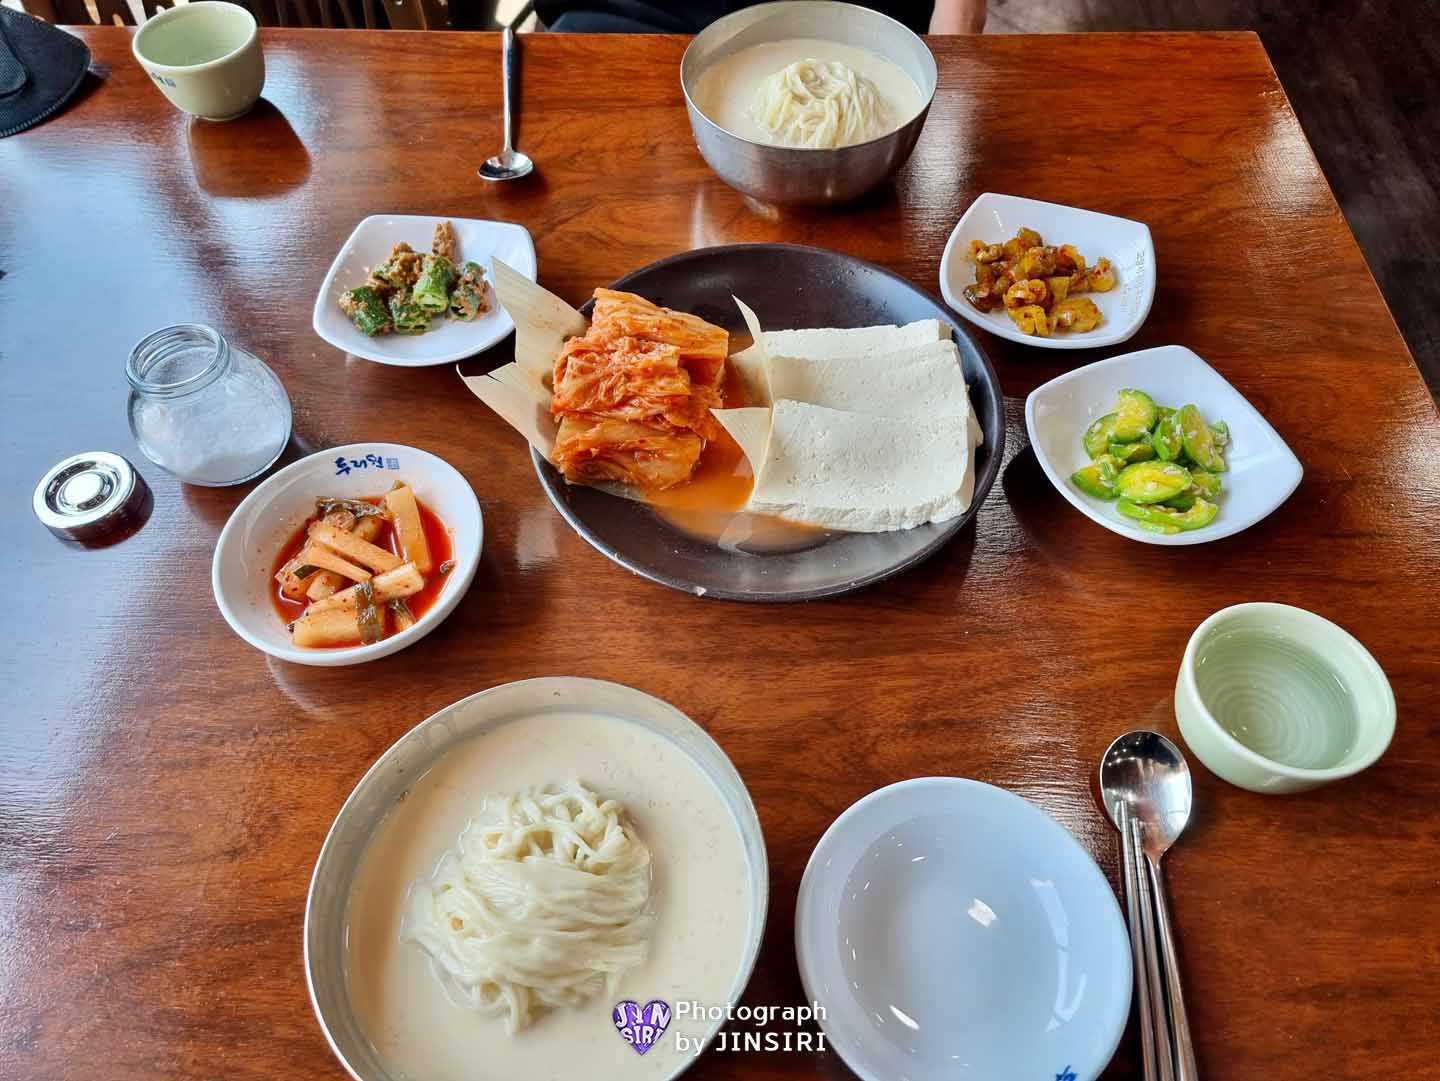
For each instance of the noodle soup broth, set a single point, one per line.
(726, 92)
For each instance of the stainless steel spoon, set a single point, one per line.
(509, 164)
(1146, 772)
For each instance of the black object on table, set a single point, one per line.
(41, 67)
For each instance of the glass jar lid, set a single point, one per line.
(89, 495)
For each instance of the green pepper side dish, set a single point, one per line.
(1160, 465)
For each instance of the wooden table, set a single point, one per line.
(164, 788)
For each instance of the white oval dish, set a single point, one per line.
(1263, 470)
(951, 929)
(407, 761)
(451, 339)
(1127, 244)
(245, 554)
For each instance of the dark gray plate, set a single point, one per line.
(788, 285)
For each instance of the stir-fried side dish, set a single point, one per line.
(1040, 286)
(361, 569)
(1162, 465)
(633, 394)
(408, 290)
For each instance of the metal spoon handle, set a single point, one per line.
(507, 77)
(1133, 885)
(1163, 1054)
(1185, 1068)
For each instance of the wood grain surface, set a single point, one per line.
(164, 788)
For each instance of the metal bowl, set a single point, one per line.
(798, 176)
(408, 760)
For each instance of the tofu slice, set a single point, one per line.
(923, 381)
(861, 341)
(861, 473)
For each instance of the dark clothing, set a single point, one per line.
(646, 17)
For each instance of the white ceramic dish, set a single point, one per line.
(952, 930)
(245, 554)
(409, 758)
(451, 339)
(1127, 244)
(1263, 470)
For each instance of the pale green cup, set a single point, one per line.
(1277, 699)
(205, 57)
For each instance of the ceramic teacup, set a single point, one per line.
(1277, 699)
(205, 57)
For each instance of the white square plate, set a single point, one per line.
(451, 339)
(1263, 470)
(1127, 244)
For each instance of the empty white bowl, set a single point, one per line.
(450, 339)
(1127, 244)
(253, 537)
(951, 929)
(1263, 470)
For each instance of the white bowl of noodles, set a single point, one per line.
(524, 877)
(807, 102)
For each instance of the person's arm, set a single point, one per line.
(958, 17)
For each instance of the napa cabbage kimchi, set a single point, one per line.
(633, 394)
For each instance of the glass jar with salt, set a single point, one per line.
(204, 409)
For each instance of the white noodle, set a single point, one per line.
(543, 905)
(819, 104)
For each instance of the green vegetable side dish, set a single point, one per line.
(1165, 520)
(432, 287)
(1135, 414)
(467, 295)
(1199, 440)
(1142, 450)
(1098, 478)
(407, 316)
(1099, 435)
(367, 310)
(410, 288)
(1161, 465)
(1152, 482)
(1166, 439)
